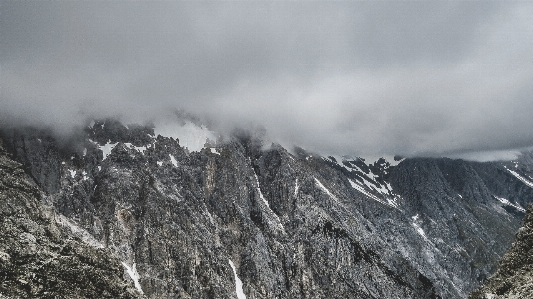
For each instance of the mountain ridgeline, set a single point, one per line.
(244, 219)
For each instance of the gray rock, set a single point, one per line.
(294, 226)
(37, 260)
(514, 278)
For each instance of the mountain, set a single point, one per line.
(242, 218)
(514, 278)
(40, 257)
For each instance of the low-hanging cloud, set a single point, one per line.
(384, 77)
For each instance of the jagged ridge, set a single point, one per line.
(294, 226)
(39, 258)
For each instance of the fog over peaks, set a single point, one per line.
(341, 77)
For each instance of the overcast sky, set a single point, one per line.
(340, 77)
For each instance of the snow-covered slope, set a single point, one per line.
(368, 177)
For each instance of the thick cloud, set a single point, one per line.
(380, 77)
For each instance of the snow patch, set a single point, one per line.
(524, 180)
(261, 193)
(266, 203)
(132, 272)
(387, 158)
(214, 151)
(140, 149)
(107, 148)
(338, 160)
(362, 190)
(366, 160)
(393, 201)
(173, 160)
(296, 188)
(159, 163)
(319, 184)
(238, 282)
(370, 179)
(372, 196)
(85, 152)
(418, 229)
(85, 177)
(507, 202)
(72, 173)
(381, 189)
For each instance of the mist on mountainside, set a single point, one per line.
(380, 78)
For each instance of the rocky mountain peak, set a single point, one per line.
(241, 213)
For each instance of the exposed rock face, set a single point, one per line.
(514, 278)
(293, 226)
(39, 258)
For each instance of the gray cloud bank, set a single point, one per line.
(342, 77)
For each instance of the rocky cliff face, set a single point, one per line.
(40, 257)
(514, 278)
(243, 218)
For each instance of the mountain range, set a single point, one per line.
(133, 211)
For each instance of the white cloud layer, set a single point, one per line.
(376, 77)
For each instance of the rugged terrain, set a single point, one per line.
(242, 217)
(39, 258)
(514, 278)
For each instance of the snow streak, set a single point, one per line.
(132, 272)
(238, 282)
(524, 180)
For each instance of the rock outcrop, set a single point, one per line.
(242, 214)
(40, 258)
(514, 278)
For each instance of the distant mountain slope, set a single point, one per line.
(287, 225)
(514, 278)
(41, 259)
